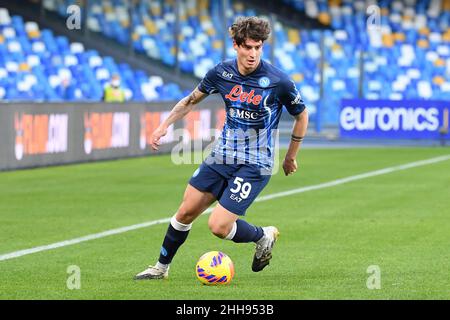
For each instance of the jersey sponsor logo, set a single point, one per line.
(243, 114)
(264, 82)
(237, 94)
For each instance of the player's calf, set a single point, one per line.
(176, 235)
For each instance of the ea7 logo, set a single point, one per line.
(227, 75)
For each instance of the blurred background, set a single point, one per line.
(370, 70)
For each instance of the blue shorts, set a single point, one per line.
(235, 186)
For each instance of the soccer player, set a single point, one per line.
(237, 169)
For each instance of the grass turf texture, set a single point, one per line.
(329, 237)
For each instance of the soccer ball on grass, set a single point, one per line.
(214, 268)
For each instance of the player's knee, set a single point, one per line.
(185, 215)
(218, 229)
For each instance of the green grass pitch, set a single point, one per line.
(399, 222)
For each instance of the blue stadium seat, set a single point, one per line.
(296, 51)
(36, 62)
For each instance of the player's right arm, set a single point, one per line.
(181, 109)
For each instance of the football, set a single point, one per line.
(214, 268)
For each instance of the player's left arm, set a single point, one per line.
(298, 133)
(290, 97)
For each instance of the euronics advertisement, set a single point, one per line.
(34, 135)
(387, 119)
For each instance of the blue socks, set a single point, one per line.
(175, 236)
(245, 232)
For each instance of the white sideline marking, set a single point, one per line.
(333, 183)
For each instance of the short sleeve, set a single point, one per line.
(208, 83)
(290, 97)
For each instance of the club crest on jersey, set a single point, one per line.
(237, 94)
(264, 82)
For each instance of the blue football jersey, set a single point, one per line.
(253, 108)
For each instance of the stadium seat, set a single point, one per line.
(410, 46)
(413, 32)
(37, 65)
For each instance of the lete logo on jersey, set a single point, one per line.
(238, 94)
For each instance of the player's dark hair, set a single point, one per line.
(254, 28)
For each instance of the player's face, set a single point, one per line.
(248, 55)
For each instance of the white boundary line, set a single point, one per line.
(333, 183)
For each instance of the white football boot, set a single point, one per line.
(153, 272)
(264, 248)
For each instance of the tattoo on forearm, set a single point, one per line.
(180, 110)
(184, 106)
(192, 98)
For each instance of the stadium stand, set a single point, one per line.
(406, 53)
(36, 65)
(202, 39)
(406, 56)
(202, 35)
(153, 27)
